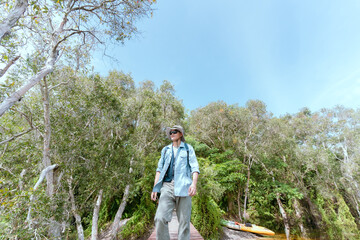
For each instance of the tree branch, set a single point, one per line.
(7, 170)
(16, 136)
(17, 96)
(11, 20)
(27, 118)
(62, 83)
(3, 71)
(5, 148)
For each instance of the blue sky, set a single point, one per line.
(289, 54)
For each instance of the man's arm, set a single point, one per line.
(192, 188)
(154, 194)
(158, 170)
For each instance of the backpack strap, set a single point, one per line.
(164, 157)
(187, 150)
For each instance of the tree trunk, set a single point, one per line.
(245, 215)
(284, 216)
(347, 169)
(313, 210)
(230, 203)
(11, 20)
(239, 205)
(55, 227)
(116, 224)
(77, 217)
(281, 207)
(47, 136)
(48, 68)
(16, 96)
(41, 178)
(298, 214)
(356, 205)
(94, 228)
(21, 183)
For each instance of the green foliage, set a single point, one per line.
(206, 216)
(142, 216)
(339, 223)
(141, 221)
(100, 126)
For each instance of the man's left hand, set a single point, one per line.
(192, 190)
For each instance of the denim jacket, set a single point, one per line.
(182, 170)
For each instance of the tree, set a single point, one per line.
(233, 128)
(54, 29)
(10, 20)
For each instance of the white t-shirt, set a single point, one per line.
(176, 150)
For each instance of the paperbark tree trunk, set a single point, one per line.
(41, 178)
(313, 210)
(116, 224)
(55, 227)
(230, 202)
(246, 193)
(298, 214)
(239, 205)
(347, 169)
(48, 68)
(21, 182)
(281, 207)
(16, 96)
(94, 228)
(284, 216)
(245, 215)
(11, 20)
(47, 136)
(357, 205)
(77, 217)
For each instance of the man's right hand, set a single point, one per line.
(154, 196)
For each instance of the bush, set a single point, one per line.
(206, 216)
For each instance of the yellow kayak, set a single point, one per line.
(247, 227)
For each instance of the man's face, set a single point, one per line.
(175, 135)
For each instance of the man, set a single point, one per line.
(173, 179)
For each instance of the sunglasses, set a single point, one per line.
(174, 132)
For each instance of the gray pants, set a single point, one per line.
(167, 203)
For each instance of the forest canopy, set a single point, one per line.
(84, 154)
(78, 151)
